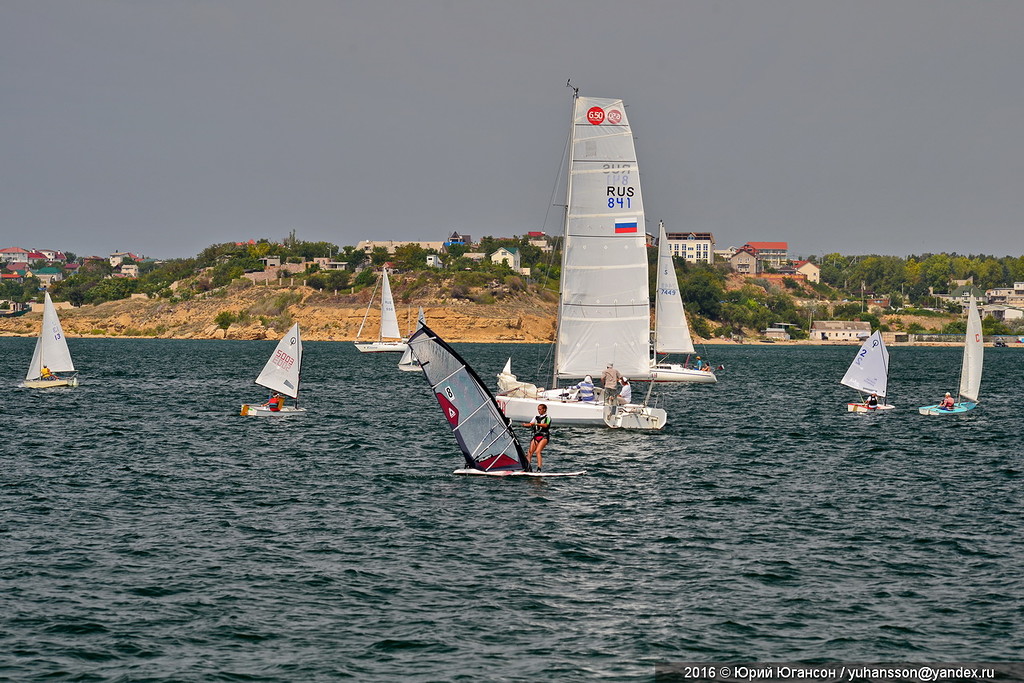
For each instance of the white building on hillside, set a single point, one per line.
(695, 247)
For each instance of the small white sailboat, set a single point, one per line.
(869, 374)
(484, 436)
(408, 362)
(604, 304)
(970, 369)
(671, 332)
(390, 338)
(280, 375)
(51, 354)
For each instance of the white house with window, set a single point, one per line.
(694, 247)
(509, 256)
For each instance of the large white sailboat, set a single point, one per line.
(51, 354)
(970, 369)
(671, 332)
(869, 374)
(281, 376)
(604, 306)
(390, 338)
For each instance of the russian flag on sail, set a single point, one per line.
(624, 225)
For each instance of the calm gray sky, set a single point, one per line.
(164, 127)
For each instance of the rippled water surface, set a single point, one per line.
(148, 532)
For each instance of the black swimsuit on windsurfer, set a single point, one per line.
(541, 428)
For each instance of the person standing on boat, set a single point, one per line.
(699, 364)
(586, 389)
(947, 402)
(610, 379)
(541, 435)
(872, 401)
(626, 393)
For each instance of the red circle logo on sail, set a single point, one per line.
(615, 116)
(595, 115)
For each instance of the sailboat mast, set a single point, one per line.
(367, 312)
(565, 230)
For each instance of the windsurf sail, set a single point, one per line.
(476, 421)
(281, 373)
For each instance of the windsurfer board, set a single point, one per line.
(518, 473)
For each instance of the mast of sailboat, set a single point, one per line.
(565, 227)
(367, 312)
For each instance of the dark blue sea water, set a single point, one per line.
(149, 533)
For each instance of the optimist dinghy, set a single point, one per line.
(869, 374)
(280, 375)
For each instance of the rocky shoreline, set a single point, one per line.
(265, 313)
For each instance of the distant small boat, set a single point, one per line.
(970, 368)
(51, 354)
(280, 375)
(390, 338)
(869, 374)
(408, 362)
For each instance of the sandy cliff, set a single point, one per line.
(266, 312)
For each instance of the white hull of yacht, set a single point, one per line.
(581, 413)
(381, 347)
(519, 400)
(673, 372)
(409, 367)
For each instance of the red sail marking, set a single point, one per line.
(498, 462)
(450, 411)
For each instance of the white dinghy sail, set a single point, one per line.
(408, 362)
(671, 332)
(482, 432)
(970, 368)
(390, 338)
(51, 352)
(869, 374)
(604, 305)
(281, 376)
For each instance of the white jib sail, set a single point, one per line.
(281, 373)
(671, 333)
(869, 371)
(388, 316)
(974, 350)
(407, 357)
(604, 311)
(51, 347)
